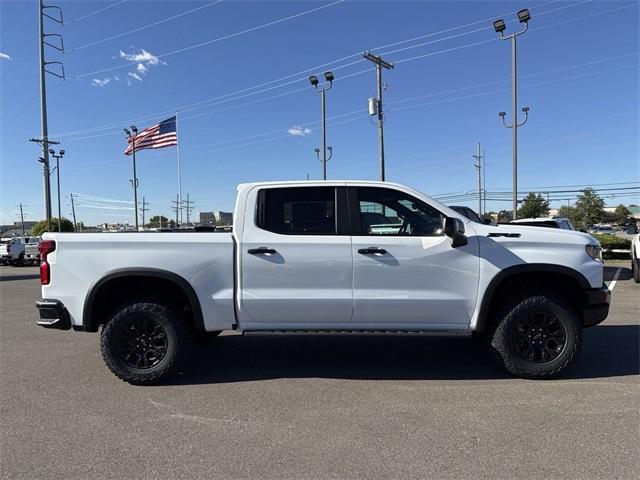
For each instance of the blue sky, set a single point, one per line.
(578, 68)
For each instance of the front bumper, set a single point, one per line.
(53, 314)
(596, 308)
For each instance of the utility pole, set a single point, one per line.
(21, 217)
(73, 211)
(484, 180)
(132, 139)
(144, 209)
(478, 166)
(187, 206)
(380, 64)
(58, 157)
(500, 26)
(313, 79)
(176, 207)
(44, 139)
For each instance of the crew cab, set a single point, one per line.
(310, 257)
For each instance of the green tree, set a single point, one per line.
(157, 220)
(41, 227)
(571, 213)
(589, 207)
(621, 214)
(533, 206)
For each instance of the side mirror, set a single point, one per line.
(486, 221)
(454, 228)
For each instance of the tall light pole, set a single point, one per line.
(499, 25)
(313, 79)
(134, 182)
(58, 157)
(380, 64)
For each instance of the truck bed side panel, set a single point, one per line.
(204, 260)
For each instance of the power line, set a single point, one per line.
(77, 19)
(183, 107)
(215, 40)
(144, 27)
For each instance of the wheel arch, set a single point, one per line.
(121, 278)
(570, 281)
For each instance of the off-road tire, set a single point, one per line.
(175, 328)
(504, 332)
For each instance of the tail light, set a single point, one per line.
(45, 248)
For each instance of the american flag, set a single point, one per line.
(158, 136)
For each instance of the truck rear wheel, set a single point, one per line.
(144, 342)
(536, 335)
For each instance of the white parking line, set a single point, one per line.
(615, 279)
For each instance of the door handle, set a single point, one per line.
(261, 250)
(370, 250)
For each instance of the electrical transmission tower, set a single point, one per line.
(187, 206)
(176, 207)
(144, 209)
(44, 139)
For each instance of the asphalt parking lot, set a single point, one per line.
(316, 407)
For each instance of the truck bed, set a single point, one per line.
(204, 260)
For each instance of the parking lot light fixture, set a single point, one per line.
(313, 80)
(499, 26)
(524, 16)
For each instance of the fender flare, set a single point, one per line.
(508, 272)
(91, 325)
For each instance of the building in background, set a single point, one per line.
(215, 218)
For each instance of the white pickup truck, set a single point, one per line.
(312, 257)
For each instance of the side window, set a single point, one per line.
(384, 211)
(297, 211)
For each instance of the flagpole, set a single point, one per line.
(179, 173)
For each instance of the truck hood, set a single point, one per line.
(534, 234)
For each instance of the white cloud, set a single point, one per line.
(142, 69)
(135, 75)
(5, 56)
(101, 83)
(299, 131)
(144, 57)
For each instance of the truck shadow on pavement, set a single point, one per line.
(608, 351)
(10, 278)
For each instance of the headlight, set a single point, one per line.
(594, 251)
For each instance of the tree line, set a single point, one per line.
(588, 210)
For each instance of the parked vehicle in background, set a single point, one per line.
(635, 258)
(310, 256)
(549, 222)
(604, 229)
(31, 251)
(630, 229)
(468, 213)
(20, 251)
(5, 249)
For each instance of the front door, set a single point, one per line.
(405, 270)
(296, 261)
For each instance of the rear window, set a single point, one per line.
(297, 211)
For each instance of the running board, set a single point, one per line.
(431, 333)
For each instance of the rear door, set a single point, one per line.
(406, 272)
(296, 260)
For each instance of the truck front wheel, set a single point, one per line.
(536, 335)
(144, 342)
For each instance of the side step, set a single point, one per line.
(431, 333)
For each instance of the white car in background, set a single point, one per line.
(549, 222)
